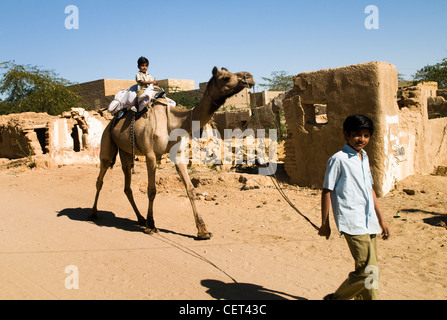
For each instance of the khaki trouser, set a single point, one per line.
(362, 284)
(140, 92)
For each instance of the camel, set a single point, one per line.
(151, 136)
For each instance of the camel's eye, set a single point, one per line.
(225, 78)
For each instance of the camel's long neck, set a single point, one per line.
(202, 113)
(205, 110)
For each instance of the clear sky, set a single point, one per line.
(186, 39)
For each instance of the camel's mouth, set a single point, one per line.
(251, 84)
(246, 79)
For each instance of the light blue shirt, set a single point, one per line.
(350, 181)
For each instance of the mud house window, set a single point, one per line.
(321, 113)
(42, 137)
(76, 140)
(318, 114)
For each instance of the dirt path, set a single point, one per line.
(261, 249)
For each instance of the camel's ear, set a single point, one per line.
(215, 71)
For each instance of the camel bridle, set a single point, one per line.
(241, 79)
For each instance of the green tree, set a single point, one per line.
(437, 72)
(279, 81)
(27, 88)
(183, 98)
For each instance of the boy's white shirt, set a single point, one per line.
(350, 181)
(143, 77)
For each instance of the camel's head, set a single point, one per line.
(225, 84)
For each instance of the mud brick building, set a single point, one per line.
(405, 141)
(98, 94)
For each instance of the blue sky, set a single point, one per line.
(186, 39)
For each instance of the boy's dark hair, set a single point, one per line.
(143, 60)
(357, 122)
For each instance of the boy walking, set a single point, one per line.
(348, 186)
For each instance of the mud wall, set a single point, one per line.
(73, 137)
(23, 135)
(405, 141)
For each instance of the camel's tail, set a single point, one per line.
(109, 150)
(115, 147)
(112, 163)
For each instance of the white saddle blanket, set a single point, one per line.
(127, 98)
(123, 99)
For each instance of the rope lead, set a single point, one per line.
(281, 192)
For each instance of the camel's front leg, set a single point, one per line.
(126, 164)
(151, 164)
(202, 234)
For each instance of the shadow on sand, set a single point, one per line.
(109, 219)
(105, 219)
(216, 289)
(244, 291)
(437, 219)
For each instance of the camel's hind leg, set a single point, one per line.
(126, 163)
(107, 159)
(99, 182)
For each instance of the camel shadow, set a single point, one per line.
(105, 219)
(243, 291)
(110, 220)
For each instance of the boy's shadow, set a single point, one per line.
(243, 291)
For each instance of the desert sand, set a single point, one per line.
(261, 248)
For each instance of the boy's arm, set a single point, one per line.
(381, 218)
(325, 229)
(148, 82)
(140, 80)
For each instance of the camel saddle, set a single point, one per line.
(159, 98)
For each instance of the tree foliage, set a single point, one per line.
(27, 88)
(437, 72)
(182, 98)
(279, 81)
